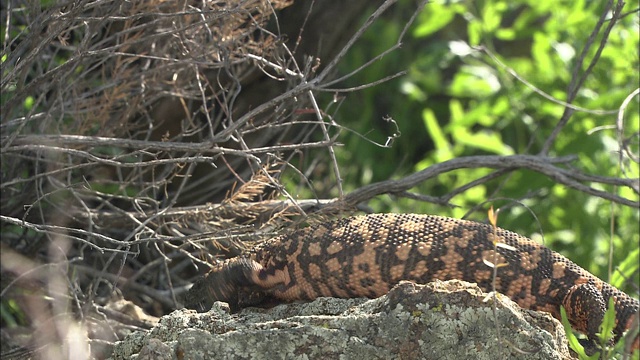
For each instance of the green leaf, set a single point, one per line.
(608, 323)
(492, 15)
(540, 51)
(488, 141)
(574, 344)
(626, 269)
(478, 82)
(457, 112)
(475, 33)
(7, 317)
(505, 34)
(432, 19)
(434, 129)
(28, 103)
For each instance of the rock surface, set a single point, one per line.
(441, 320)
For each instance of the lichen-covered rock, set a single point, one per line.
(441, 320)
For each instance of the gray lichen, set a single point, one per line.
(442, 320)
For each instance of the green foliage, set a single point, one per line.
(458, 101)
(10, 313)
(574, 343)
(606, 328)
(604, 336)
(626, 269)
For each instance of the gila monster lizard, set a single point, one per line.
(365, 256)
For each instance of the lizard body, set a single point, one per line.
(365, 256)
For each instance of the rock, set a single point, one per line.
(441, 320)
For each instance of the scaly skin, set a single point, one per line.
(365, 256)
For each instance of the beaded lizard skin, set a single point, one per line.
(365, 256)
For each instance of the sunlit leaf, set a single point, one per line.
(432, 19)
(434, 129)
(626, 269)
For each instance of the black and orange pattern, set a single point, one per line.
(365, 256)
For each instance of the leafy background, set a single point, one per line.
(456, 100)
